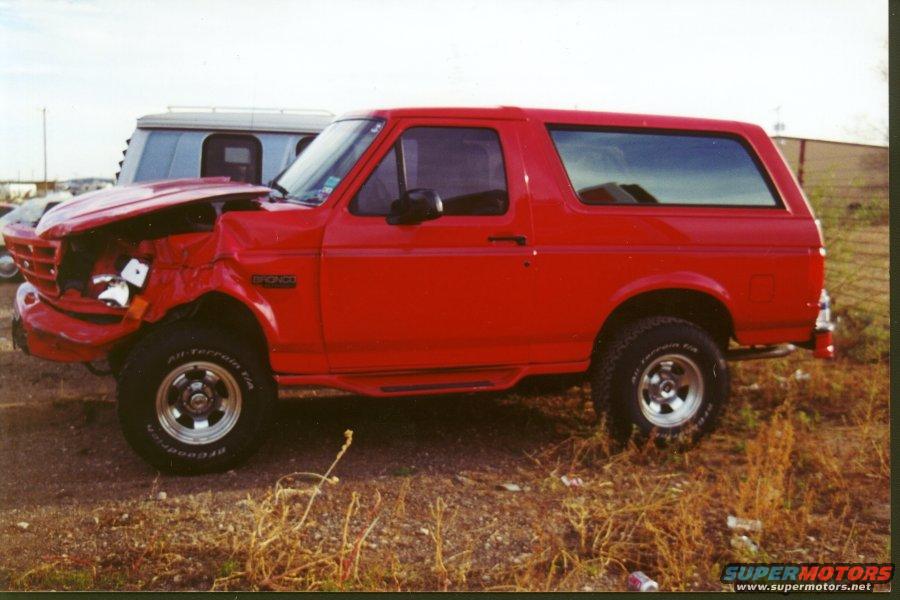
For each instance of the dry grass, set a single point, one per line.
(803, 448)
(776, 459)
(807, 457)
(279, 551)
(855, 220)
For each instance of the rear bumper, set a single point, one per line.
(823, 334)
(823, 343)
(45, 332)
(822, 340)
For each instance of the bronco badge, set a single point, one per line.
(274, 281)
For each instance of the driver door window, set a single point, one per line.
(464, 165)
(380, 190)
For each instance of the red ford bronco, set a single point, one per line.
(425, 251)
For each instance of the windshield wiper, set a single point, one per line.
(279, 188)
(300, 200)
(286, 196)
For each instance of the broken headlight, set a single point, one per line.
(116, 289)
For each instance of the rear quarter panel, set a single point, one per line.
(763, 264)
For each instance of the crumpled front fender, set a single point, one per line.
(233, 259)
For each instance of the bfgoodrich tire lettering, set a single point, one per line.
(188, 347)
(660, 376)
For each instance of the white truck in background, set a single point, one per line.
(253, 145)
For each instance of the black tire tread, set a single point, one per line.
(607, 356)
(183, 334)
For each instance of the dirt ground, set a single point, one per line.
(79, 510)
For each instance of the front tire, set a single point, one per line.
(192, 400)
(662, 377)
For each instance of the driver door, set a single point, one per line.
(453, 292)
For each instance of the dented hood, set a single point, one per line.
(96, 209)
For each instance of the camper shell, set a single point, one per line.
(246, 144)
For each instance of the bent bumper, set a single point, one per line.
(43, 331)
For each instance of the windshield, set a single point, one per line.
(327, 160)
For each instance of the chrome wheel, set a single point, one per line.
(198, 403)
(8, 268)
(671, 390)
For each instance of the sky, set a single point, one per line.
(98, 65)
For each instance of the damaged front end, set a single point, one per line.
(100, 267)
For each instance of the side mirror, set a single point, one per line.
(416, 206)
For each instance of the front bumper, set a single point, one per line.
(45, 332)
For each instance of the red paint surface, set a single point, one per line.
(378, 305)
(101, 207)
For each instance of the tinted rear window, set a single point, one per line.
(626, 167)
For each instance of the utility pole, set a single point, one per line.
(44, 120)
(779, 124)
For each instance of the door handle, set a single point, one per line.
(520, 240)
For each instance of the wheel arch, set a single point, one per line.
(232, 314)
(220, 309)
(700, 301)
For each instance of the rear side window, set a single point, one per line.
(235, 156)
(464, 165)
(627, 167)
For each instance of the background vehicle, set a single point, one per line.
(251, 145)
(86, 184)
(417, 251)
(29, 212)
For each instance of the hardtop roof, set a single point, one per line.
(562, 117)
(235, 120)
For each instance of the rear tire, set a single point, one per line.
(660, 376)
(193, 400)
